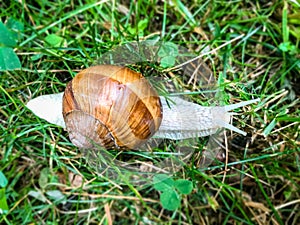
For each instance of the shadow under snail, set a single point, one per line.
(115, 107)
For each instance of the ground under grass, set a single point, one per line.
(252, 49)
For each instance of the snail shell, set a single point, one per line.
(111, 106)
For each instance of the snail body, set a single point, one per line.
(115, 107)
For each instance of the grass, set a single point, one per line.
(50, 182)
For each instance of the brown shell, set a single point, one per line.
(111, 106)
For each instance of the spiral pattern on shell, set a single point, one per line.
(111, 106)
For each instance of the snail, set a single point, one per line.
(116, 107)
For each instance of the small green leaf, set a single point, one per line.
(288, 47)
(168, 49)
(162, 182)
(57, 196)
(284, 46)
(36, 57)
(3, 202)
(170, 200)
(8, 59)
(184, 186)
(167, 61)
(43, 179)
(212, 202)
(3, 180)
(16, 27)
(6, 37)
(37, 195)
(142, 25)
(131, 30)
(54, 40)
